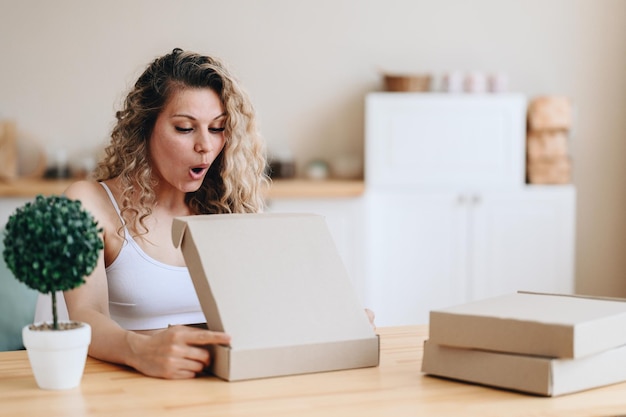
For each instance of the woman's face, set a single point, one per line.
(188, 135)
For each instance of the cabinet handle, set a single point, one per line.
(473, 199)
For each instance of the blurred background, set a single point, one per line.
(67, 64)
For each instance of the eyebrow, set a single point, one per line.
(188, 116)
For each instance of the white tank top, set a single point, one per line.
(146, 294)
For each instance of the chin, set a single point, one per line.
(189, 189)
(193, 186)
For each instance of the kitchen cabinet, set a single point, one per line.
(438, 140)
(448, 217)
(523, 240)
(439, 248)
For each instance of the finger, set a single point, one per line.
(182, 374)
(198, 354)
(371, 316)
(207, 337)
(186, 369)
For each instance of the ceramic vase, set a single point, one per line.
(57, 357)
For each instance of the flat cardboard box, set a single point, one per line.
(530, 374)
(553, 325)
(277, 285)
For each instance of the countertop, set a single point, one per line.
(396, 387)
(296, 188)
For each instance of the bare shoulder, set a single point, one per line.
(92, 196)
(87, 192)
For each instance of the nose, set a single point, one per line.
(203, 143)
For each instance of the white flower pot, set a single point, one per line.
(57, 357)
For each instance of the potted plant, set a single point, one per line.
(51, 244)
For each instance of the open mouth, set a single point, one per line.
(197, 172)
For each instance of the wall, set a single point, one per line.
(307, 65)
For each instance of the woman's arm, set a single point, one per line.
(176, 352)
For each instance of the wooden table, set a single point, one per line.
(394, 389)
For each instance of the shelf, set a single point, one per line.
(297, 188)
(301, 188)
(30, 187)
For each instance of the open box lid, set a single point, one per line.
(270, 279)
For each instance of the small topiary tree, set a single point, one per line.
(52, 244)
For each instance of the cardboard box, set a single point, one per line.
(530, 374)
(547, 145)
(550, 113)
(555, 171)
(551, 325)
(276, 284)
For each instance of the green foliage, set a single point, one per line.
(52, 244)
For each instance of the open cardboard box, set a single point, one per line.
(276, 284)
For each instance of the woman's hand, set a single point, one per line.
(371, 316)
(177, 352)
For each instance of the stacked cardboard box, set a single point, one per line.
(543, 344)
(549, 127)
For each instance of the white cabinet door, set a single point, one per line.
(523, 240)
(415, 139)
(427, 250)
(416, 254)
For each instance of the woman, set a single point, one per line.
(185, 143)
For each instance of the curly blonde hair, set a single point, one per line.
(235, 180)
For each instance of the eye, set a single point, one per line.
(183, 129)
(216, 129)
